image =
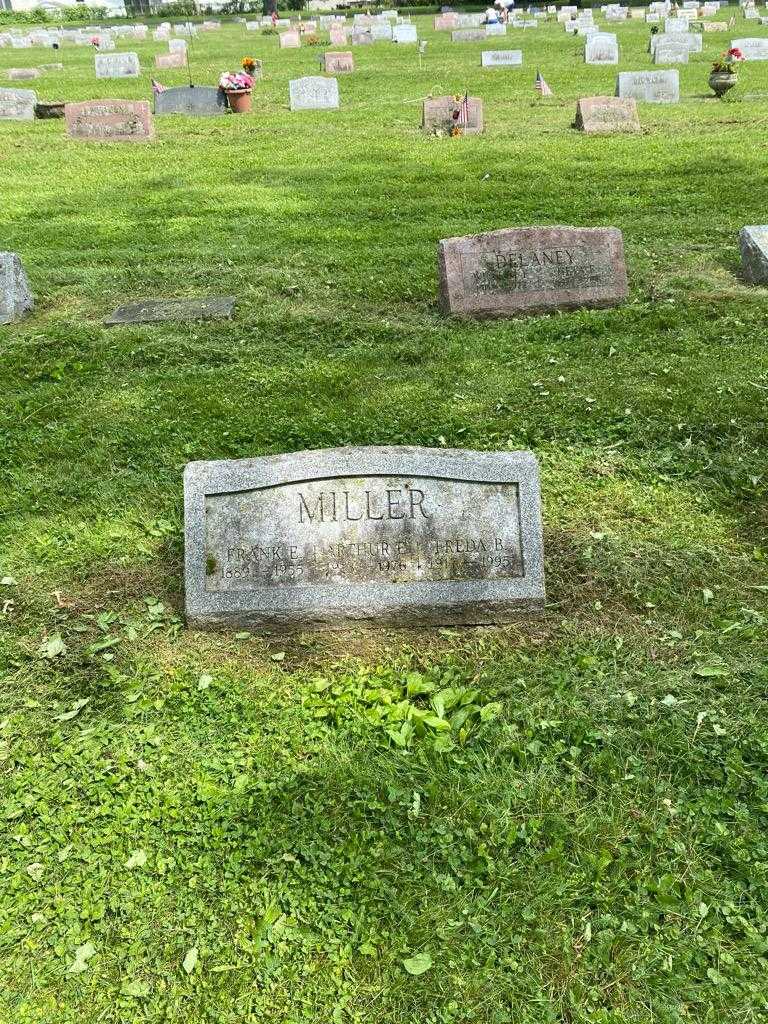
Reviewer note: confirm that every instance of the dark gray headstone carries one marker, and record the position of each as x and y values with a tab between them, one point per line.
753	243
15	296
388	535
152	311
198	100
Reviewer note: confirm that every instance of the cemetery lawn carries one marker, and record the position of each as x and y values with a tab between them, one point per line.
225	828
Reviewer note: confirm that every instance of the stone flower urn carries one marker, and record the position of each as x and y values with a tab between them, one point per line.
721	81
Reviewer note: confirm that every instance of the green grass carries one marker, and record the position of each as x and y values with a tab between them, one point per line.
592	848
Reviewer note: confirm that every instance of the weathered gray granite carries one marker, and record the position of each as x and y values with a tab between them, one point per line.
15	296
117	65
152	311
17	104
196	101
313	93
518	271
649	86
384	535
753	243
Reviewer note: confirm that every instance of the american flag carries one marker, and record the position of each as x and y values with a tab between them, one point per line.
541	86
463	118
157	88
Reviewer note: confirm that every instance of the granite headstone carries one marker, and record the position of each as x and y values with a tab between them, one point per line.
15	296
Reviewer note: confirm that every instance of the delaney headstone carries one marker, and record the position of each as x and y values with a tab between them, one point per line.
314	93
15	296
501	59
439	114
109	121
603	115
339	63
753	243
197	100
117	65
17	104
649	86
154	311
518	271
389	536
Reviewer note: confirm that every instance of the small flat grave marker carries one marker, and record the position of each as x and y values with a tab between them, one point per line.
155	311
501	58
388	535
109	121
519	271
468	35
17	104
649	86
20	74
603	115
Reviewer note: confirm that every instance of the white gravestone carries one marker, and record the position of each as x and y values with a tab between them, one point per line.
649	86
501	59
314	93
404	34
117	65
601	48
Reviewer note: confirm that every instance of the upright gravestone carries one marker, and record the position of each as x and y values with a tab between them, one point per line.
752	49
468	35
314	93
518	271
338	63
396	536
443	114
670	51
602	115
15	296
338	36
109	121
501	59
196	100
496	29
649	86
17	104
164	61
753	243
22	74
404	34
601	48
117	65
290	40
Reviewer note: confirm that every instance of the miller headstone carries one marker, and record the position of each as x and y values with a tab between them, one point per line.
517	271
384	535
15	296
649	86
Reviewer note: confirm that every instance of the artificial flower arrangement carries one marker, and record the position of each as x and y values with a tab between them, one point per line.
236	81
726	64
249	66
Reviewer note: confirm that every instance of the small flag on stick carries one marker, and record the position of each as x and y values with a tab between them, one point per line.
541	86
463	118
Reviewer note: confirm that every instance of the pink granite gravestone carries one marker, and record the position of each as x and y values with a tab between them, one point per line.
110	121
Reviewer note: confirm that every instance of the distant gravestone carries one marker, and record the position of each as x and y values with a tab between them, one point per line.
15	296
21	74
497	29
440	115
501	58
290	40
197	101
404	34
338	37
693	41
170	60
361	38
117	65
177	46
468	35
601	48
602	115
338	63
649	86
444	23
753	243
17	104
109	121
314	93
153	311
395	536
518	271
381	33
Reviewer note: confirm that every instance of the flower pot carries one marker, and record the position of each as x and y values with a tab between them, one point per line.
239	100
721	81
